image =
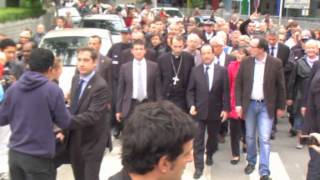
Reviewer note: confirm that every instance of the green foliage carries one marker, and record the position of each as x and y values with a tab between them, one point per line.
30	3
197	3
13	14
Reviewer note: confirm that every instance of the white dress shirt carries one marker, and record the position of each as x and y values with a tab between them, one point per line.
209	36
135	76
221	60
86	80
312	61
258	77
210	73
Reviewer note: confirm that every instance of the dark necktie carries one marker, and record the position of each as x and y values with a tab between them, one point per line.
206	75
76	97
272	51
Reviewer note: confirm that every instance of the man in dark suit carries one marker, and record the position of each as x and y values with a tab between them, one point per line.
127	56
139	82
260	91
104	69
114	54
208	31
89	98
281	51
209	101
175	69
223	60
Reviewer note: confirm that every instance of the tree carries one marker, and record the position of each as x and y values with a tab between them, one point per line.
30	3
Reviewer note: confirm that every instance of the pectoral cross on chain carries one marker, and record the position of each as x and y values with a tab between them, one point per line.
175	80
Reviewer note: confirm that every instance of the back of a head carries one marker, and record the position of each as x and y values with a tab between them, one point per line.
41	60
155	130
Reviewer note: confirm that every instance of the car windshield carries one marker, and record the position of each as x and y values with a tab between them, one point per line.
173	13
112	25
65	48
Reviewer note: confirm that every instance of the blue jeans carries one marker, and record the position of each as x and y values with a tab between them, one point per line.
258	119
298	121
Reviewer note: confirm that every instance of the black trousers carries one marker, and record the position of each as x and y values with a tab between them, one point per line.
291	115
134	104
179	101
114	123
314	165
212	127
26	167
224	128
237	131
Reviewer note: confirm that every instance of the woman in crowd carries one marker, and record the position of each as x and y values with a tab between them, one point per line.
237	124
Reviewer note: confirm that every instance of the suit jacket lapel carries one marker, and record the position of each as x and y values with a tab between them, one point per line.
251	72
130	74
148	76
266	69
215	76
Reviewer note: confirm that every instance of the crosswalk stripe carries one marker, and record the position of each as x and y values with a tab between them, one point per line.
277	169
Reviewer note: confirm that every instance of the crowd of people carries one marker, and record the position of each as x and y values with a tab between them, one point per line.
234	76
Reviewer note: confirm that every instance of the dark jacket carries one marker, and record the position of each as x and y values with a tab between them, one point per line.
125	87
121	175
298	81
31	107
209	104
312	118
273	84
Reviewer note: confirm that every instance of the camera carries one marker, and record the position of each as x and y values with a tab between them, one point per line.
308	140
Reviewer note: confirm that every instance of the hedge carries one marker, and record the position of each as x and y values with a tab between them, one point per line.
14	14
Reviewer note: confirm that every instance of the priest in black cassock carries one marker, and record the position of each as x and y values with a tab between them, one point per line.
175	70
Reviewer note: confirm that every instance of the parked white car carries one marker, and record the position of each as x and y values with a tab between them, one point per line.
74	13
64	44
112	22
174	13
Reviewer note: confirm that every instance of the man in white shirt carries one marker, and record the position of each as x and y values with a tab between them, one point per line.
260	91
139	82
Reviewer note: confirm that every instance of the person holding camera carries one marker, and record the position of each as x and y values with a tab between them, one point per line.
12	69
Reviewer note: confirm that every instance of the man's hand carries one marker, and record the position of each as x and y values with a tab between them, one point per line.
193	111
303	111
224	116
118	117
60	136
280	113
254	16
239	111
289	102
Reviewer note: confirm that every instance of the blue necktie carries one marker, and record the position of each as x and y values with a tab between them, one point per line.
76	97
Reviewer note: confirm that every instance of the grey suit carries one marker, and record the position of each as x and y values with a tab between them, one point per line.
273	87
125	86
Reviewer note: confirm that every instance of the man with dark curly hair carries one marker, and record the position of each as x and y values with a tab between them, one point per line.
157	143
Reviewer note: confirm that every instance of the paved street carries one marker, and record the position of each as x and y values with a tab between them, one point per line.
287	163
